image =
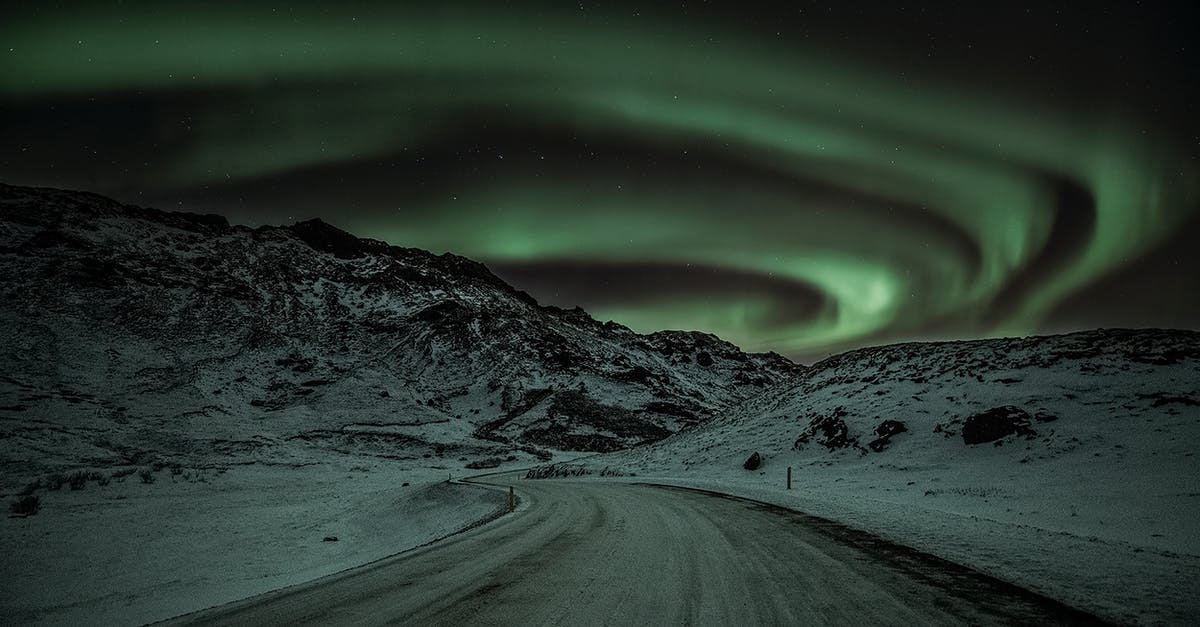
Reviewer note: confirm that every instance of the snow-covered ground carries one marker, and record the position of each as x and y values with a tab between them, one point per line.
130	552
1095	505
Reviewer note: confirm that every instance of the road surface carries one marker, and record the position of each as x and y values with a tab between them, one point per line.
590	553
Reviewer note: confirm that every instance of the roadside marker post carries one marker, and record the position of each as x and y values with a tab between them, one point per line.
512	499
789	478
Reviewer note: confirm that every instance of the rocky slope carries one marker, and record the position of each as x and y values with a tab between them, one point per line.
129	335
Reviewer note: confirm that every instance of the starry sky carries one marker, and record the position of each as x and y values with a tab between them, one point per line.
798	177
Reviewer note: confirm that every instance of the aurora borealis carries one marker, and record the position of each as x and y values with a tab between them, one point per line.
795	178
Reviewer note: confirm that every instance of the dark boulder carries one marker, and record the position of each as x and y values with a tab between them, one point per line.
884	433
753	462
997	423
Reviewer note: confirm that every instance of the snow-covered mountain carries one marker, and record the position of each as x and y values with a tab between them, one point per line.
130	334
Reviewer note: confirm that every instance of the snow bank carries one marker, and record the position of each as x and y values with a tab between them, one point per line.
131	553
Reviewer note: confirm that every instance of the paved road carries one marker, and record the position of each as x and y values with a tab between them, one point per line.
586	553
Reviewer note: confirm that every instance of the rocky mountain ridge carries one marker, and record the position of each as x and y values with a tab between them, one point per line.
132	333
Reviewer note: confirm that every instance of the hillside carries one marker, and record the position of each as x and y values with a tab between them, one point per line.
133	336
1066	463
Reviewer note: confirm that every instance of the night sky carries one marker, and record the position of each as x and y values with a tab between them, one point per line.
797	177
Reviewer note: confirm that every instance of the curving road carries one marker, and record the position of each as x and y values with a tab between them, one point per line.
587	553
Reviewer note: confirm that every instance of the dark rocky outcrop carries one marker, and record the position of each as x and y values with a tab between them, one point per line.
829	431
330	239
997	423
753	462
884	433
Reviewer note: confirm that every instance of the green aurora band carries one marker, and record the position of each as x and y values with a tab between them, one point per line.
987	167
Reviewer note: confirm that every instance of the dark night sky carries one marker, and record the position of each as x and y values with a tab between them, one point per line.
797	177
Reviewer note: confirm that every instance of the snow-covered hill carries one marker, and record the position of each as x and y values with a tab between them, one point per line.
130	335
1066	464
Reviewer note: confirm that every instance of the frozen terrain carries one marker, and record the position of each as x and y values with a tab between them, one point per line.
128	552
1090	496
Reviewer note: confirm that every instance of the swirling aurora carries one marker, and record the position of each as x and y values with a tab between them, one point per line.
661	173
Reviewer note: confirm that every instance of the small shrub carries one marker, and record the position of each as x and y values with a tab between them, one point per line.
77	480
27	505
176	470
30	487
146	475
123	472
552	471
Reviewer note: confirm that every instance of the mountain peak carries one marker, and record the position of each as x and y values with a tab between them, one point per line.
325	237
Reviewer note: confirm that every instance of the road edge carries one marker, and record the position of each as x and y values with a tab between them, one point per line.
491	517
858	539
